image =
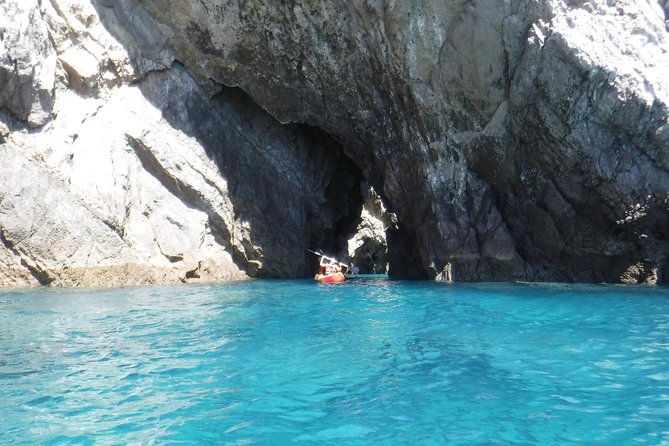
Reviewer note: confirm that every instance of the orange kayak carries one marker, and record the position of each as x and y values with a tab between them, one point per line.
330	278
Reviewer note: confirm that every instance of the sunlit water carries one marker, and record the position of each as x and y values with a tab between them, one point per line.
368	362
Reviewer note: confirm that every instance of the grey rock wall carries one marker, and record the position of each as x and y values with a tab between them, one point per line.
513	142
146	172
27	63
522	140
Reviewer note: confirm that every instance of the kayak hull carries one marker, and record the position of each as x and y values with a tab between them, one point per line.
330	278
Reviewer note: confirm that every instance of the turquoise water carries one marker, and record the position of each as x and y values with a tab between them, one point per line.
368	362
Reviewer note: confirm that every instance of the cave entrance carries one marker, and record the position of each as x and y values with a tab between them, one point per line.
360	239
351	222
367	247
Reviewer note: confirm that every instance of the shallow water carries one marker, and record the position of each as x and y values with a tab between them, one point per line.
368	362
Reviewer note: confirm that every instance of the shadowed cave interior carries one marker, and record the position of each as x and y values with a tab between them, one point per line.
292	183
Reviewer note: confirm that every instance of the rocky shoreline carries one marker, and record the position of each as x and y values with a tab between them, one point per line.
169	142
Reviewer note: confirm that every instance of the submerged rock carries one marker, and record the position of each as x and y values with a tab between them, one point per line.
209	140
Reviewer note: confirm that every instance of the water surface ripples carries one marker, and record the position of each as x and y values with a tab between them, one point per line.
367	362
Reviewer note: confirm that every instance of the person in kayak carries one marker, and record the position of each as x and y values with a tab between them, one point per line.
329	266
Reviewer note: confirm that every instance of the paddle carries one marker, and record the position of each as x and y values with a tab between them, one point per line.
320	254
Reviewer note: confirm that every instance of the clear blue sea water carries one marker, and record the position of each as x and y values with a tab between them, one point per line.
368	362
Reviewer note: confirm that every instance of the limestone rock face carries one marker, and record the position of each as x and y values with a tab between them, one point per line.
27	63
526	140
210	140
145	172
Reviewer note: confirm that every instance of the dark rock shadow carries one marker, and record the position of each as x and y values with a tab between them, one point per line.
296	186
292	184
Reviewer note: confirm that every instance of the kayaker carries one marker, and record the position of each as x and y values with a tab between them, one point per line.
329	266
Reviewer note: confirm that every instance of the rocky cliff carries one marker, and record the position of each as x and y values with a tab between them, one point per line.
149	141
